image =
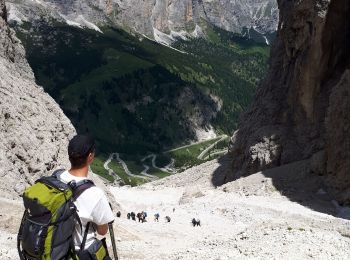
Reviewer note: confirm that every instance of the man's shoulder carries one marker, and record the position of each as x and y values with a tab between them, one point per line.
95	200
95	192
65	176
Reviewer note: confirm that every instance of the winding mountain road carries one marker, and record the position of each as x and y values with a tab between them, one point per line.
125	167
202	154
144	172
168	168
184	146
215	153
109	170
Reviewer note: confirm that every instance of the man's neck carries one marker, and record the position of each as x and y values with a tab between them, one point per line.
81	172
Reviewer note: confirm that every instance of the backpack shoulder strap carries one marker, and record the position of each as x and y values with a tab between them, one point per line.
82	246
77	187
57	173
54	180
80	187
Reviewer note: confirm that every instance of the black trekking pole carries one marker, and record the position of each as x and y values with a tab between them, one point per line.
111	232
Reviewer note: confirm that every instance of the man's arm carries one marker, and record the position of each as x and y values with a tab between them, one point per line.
102	215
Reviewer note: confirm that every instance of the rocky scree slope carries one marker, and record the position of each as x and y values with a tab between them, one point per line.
34	132
249	211
158	19
235	216
301	109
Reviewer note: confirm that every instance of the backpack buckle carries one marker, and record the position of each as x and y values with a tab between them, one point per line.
72	184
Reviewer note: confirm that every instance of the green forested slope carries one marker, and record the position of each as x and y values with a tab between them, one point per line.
136	95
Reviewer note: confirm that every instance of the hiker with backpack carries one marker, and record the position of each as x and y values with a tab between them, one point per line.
156	217
144	216
139	216
64	212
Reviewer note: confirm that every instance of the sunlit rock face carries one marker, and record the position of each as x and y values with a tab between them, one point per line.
163	20
34	132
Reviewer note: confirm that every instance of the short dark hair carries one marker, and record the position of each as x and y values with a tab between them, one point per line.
79	149
78	162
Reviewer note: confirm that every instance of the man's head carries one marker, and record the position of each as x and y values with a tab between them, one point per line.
81	151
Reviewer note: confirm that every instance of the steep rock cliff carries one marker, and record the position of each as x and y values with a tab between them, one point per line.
301	109
34	132
163	20
180	17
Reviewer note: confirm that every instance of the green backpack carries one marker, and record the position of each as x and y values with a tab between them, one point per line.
48	223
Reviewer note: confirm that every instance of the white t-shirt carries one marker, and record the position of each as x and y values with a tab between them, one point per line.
92	206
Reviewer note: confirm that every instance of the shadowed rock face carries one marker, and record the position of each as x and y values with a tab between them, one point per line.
3	10
301	109
34	132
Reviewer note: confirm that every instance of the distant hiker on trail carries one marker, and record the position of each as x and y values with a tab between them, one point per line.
168	219
133	216
139	216
56	194
156	217
196	222
119	214
128	215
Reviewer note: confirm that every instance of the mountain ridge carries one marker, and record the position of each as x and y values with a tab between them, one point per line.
164	21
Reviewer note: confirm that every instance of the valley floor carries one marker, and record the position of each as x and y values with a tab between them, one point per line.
136	170
255	217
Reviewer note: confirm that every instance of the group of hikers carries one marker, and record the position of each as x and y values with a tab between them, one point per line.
65	211
142	216
196	222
